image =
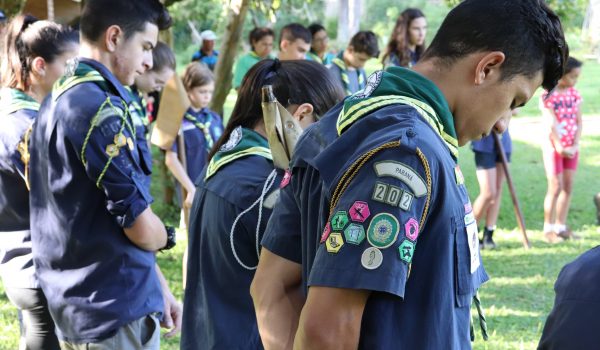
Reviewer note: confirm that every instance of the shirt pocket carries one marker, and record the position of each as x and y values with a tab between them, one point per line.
463	283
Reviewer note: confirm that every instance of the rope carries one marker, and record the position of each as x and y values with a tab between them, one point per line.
266	188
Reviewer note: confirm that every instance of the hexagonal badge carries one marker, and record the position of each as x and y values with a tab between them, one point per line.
359	212
326	233
354	234
406	251
334	242
411	229
339	221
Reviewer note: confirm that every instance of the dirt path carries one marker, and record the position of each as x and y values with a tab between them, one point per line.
531	128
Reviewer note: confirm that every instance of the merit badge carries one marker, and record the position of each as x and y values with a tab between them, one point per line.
130	144
339	220
71	67
383	230
334	242
411	229
406	251
371	258
460	179
406	201
326	233
354	234
234	140
286	179
112	150
373	82
403	173
120	140
359	211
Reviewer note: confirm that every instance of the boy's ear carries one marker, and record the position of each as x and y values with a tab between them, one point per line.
489	67
112	37
283	45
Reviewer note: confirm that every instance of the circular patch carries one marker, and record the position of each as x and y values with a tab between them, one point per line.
373	82
371	258
71	67
234	140
383	230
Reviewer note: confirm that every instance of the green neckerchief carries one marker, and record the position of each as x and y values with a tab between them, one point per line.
242	143
204	127
83	74
339	61
138	104
313	56
399	85
12	100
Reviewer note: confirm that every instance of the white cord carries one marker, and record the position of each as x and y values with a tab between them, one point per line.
266	187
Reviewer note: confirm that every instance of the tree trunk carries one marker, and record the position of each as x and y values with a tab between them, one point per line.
236	15
343	35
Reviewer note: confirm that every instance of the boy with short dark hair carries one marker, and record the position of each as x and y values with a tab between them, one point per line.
294	42
348	66
94	234
397	258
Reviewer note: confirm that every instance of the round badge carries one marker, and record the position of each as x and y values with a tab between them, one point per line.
373	82
371	258
383	230
71	67
234	140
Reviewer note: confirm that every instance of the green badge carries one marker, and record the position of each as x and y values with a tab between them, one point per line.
354	234
339	220
383	230
406	251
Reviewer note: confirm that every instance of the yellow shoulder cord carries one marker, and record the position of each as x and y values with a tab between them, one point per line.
23	148
94	124
349	175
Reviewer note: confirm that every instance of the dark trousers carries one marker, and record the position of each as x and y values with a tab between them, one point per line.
38	325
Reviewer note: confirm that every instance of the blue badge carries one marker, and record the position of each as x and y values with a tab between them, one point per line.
354	234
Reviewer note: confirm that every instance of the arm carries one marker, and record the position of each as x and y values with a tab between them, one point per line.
147	231
172	162
331	319
278	299
173	309
579	129
551	123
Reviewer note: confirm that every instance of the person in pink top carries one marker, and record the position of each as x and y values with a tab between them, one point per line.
561	106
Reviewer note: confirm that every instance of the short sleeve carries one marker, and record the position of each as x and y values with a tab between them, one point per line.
283	233
373	229
107	153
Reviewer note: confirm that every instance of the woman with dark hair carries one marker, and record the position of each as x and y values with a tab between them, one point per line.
34	57
261	43
407	42
226	224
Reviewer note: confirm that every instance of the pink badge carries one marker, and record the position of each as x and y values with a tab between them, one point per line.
411	229
286	179
326	232
359	212
468	208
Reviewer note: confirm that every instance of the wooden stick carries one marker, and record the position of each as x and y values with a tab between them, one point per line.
513	194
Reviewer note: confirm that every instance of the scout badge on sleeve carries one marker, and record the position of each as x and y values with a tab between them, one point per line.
173	105
283	130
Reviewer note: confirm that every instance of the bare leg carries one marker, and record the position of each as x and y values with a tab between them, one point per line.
494	208
487	192
564	198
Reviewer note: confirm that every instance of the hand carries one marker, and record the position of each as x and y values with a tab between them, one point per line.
569	152
189	199
172	316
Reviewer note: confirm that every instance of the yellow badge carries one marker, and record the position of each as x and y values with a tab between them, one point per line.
334	242
120	140
130	143
112	150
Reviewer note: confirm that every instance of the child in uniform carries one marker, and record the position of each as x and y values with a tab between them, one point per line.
347	67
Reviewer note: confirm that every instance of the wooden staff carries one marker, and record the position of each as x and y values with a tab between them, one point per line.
513	194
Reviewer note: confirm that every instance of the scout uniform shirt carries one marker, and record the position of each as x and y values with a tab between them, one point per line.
218	311
375	201
201	129
87	185
137	110
352	80
17	113
326	60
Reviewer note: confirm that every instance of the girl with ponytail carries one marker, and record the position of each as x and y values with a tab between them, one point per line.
34	57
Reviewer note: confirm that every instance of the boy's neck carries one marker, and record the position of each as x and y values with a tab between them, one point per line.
91	51
346	59
196	109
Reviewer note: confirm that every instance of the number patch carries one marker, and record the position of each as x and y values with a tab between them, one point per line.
392	195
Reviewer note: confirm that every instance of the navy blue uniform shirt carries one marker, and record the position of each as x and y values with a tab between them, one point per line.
383	207
17	113
87	185
201	129
488	145
218	311
138	116
573	322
